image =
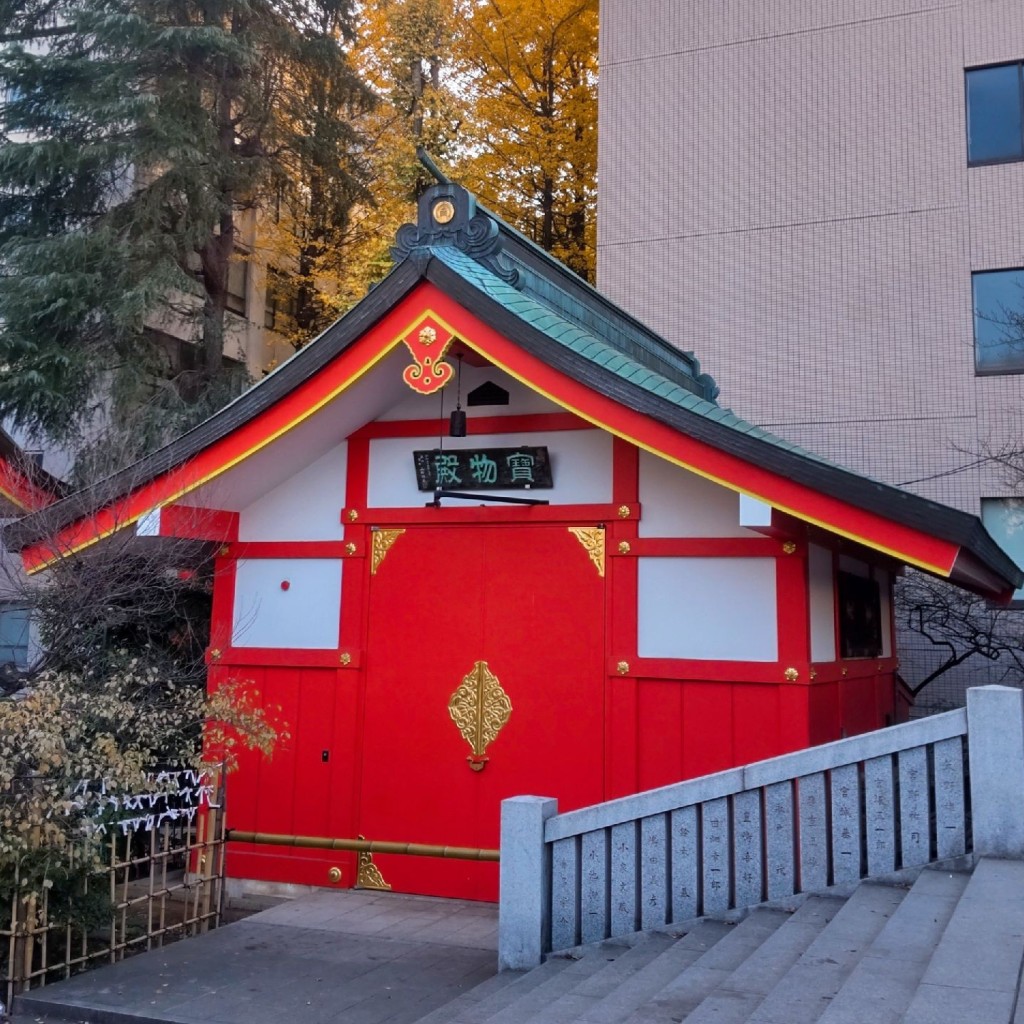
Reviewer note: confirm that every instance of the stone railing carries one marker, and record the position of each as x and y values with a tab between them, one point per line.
830	815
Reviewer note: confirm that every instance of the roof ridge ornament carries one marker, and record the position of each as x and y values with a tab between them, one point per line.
448	215
705	380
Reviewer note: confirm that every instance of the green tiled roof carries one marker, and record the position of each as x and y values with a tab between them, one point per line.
557	327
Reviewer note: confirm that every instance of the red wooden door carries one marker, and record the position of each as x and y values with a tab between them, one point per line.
527	602
292	792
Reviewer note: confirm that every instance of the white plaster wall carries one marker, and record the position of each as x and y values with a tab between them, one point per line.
305	507
677	503
722	609
581	466
821	597
305	615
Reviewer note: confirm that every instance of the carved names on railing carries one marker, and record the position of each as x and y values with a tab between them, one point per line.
828	815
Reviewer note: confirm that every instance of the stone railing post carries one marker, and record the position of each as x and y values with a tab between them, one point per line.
995	738
524	907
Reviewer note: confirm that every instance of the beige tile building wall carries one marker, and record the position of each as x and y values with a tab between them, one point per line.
784	190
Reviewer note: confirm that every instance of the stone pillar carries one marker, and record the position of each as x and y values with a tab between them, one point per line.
995	737
524	910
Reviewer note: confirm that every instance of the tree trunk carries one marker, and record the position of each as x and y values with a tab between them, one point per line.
219	248
215	257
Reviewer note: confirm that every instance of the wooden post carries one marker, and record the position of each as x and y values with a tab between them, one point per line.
212	820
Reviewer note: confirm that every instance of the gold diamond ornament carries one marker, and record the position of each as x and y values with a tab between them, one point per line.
480	709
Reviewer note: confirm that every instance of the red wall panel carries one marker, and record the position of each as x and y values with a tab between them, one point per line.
660	715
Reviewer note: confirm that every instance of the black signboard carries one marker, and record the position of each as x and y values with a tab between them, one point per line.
481	469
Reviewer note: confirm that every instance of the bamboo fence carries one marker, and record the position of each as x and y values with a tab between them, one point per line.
164	882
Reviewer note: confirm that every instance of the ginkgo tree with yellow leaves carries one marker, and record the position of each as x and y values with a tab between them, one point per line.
503	96
405	52
531	137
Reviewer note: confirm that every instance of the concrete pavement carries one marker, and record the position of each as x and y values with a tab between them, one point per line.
342	957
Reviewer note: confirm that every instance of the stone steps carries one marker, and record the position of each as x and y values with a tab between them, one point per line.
738	995
948	950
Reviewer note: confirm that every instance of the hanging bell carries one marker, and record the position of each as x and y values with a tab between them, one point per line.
457	423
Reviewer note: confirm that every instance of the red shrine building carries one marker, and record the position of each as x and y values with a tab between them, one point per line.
488	535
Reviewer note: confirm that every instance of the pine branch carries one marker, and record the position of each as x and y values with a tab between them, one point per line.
30	34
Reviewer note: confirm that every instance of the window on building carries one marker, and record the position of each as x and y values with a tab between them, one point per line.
238	284
14	635
999	321
181	363
1004	520
995	114
279	306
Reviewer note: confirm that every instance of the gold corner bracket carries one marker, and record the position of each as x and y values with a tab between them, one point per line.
381	543
368	875
592	539
480	709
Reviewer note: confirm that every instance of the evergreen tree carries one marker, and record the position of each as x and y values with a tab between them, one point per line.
137	133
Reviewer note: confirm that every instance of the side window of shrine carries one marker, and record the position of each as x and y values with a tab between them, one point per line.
860	616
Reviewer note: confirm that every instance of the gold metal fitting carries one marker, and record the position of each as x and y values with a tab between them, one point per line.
791	675
444	211
814	674
215	654
789	547
622	668
224	551
353	515
334	875
625	511
350	548
345	658
624	548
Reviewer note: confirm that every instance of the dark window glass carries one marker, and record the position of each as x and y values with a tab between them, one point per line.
860	616
14	635
999	321
995	104
1004	519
